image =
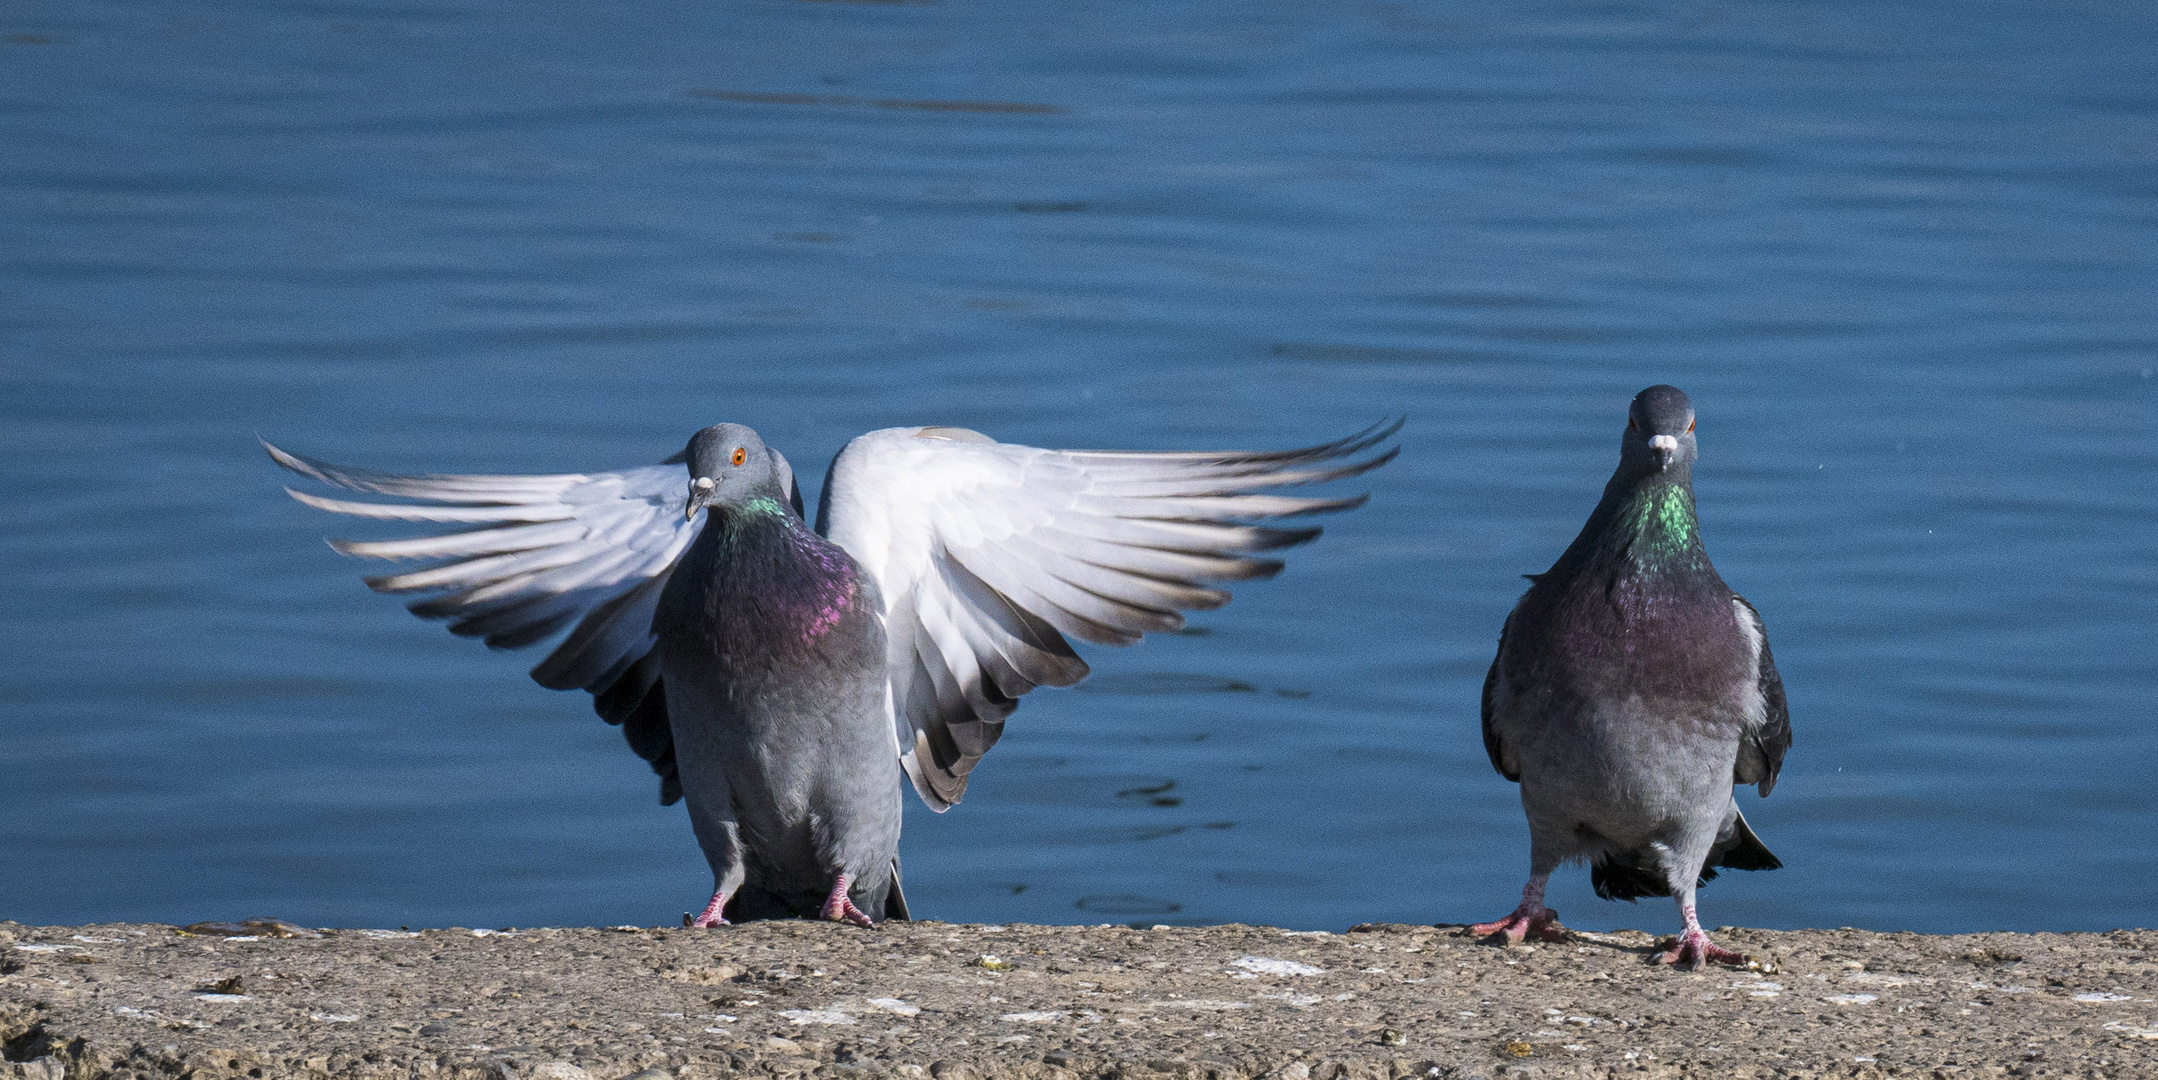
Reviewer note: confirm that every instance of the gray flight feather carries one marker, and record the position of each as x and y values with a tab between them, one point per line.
781	679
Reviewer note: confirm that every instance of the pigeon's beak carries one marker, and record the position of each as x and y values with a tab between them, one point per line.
700	493
1665	447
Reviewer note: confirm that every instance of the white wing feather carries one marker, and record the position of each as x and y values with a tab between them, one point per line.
548	552
988	553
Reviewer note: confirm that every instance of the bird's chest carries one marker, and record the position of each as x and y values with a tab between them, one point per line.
1642	638
765	602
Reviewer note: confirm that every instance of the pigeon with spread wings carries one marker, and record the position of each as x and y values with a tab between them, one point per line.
781	679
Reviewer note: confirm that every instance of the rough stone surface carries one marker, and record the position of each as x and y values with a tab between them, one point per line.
948	1002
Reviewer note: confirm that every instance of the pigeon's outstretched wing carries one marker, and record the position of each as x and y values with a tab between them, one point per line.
987	554
545	553
1760	756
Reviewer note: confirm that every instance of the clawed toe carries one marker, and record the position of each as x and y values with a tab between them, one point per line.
850	914
839	907
1540	924
843	910
711	916
1695	950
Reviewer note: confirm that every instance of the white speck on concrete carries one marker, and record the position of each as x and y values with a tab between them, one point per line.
818	1016
1265	965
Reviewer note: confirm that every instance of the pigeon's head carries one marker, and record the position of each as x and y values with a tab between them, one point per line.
1659	429
728	466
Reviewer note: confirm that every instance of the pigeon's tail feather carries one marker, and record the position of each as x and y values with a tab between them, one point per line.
1621	875
895	901
1625	875
1743	851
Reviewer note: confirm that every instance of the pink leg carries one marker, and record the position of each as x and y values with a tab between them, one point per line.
840	907
1693	948
1531	920
712	916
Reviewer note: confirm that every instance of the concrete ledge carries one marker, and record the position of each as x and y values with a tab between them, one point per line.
1059	1003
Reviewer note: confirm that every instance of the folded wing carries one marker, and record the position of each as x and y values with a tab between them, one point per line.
587	552
1760	756
1498	695
988	554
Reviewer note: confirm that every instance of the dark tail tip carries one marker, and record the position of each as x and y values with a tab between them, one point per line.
1622	877
895	901
1745	851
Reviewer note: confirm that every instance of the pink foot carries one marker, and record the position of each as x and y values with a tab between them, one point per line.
712	916
1528	921
1694	949
840	907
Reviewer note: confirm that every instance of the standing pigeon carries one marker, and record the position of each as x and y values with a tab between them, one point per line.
1631	690
779	678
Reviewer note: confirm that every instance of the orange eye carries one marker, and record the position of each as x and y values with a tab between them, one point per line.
1689	427
740	456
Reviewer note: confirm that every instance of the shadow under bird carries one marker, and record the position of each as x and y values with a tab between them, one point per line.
781	679
1632	689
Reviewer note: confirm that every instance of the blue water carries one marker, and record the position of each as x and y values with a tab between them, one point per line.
1904	256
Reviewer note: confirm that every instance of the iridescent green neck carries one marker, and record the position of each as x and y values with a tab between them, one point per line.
761	508
1657	527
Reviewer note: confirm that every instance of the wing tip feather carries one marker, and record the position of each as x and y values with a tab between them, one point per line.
353	549
387	583
1328	506
288	460
1276	539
